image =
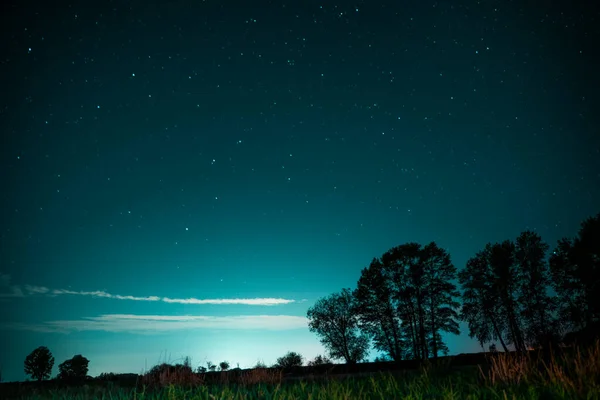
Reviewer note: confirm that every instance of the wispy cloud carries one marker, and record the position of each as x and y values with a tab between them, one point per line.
268	301
36	289
252	302
8	290
156	324
98	293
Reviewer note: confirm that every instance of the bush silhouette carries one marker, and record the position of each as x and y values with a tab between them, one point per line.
167	374
319	360
291	359
39	363
224	365
74	369
201	369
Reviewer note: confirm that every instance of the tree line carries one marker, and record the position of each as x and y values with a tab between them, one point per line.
512	292
38	364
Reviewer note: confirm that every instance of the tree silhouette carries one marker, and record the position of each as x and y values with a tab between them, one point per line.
319	360
504	278
39	363
75	368
260	364
332	319
406	298
533	278
201	369
440	295
575	272
211	366
291	359
224	365
377	310
479	306
491	286
403	265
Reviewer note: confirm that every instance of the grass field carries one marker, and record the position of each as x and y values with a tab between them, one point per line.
570	375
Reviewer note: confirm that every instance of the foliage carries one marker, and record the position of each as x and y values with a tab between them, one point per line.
319	360
75	368
107	376
490	305
167	374
405	299
479	308
575	272
291	359
223	365
332	318
505	289
377	309
201	369
533	281
260	364
39	363
504	281
211	367
382	358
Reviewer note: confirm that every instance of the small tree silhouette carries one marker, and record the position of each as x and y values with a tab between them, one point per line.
201	369
319	360
211	367
75	368
39	363
291	359
224	365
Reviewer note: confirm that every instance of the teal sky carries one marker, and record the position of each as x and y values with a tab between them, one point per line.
187	178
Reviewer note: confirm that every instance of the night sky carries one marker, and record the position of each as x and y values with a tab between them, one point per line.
187	178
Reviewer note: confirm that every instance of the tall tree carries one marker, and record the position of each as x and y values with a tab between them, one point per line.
441	295
575	271
401	267
533	279
405	299
411	287
39	363
377	310
333	319
479	306
502	262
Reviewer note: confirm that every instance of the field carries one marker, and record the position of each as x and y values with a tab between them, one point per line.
567	374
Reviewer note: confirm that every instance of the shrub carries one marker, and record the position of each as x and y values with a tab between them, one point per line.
291	359
319	360
166	374
74	369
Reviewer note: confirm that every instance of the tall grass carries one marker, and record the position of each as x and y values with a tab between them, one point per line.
576	371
